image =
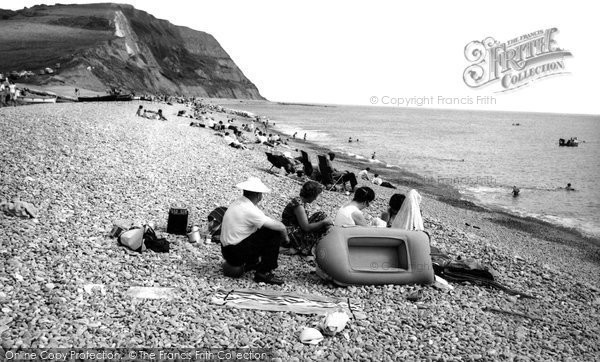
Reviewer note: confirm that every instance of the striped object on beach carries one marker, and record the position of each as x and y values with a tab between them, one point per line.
283	302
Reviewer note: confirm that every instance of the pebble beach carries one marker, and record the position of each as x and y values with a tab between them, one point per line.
85	166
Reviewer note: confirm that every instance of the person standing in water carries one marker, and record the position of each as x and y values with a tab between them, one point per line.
515	191
373	156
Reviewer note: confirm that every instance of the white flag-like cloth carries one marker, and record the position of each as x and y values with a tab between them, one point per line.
409	217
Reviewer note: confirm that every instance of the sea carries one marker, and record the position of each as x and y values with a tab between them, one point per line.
481	154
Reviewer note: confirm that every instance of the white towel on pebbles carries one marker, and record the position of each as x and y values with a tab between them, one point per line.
409	217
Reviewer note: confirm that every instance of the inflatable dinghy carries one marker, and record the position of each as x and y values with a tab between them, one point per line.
370	256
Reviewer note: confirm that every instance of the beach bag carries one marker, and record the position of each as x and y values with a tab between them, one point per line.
178	221
133	239
154	243
460	269
215	219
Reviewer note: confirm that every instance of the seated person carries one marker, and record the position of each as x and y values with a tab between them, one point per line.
304	232
409	217
364	174
351	214
231	141
343	177
210	123
242	137
249	238
377	180
154	115
261	138
394	206
139	111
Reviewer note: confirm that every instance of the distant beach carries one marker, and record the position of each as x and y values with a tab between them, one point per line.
473	156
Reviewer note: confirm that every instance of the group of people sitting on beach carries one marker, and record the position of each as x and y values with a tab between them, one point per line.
253	241
141	112
377	180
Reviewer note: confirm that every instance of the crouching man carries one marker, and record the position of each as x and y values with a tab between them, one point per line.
249	238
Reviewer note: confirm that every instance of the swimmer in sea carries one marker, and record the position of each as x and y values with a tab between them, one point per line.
569	188
350	140
373	156
515	191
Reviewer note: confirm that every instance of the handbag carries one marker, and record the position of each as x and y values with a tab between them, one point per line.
154	243
133	239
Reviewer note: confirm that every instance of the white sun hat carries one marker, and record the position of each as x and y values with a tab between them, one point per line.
253	184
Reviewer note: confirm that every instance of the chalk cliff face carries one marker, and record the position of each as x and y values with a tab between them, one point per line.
102	46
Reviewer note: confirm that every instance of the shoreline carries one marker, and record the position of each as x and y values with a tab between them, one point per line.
443	192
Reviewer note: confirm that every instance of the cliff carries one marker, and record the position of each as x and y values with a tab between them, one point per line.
101	46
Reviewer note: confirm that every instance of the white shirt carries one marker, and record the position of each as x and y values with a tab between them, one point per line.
344	215
364	174
12	88
228	140
261	139
241	220
377	180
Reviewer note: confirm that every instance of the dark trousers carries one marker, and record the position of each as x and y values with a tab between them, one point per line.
345	177
263	245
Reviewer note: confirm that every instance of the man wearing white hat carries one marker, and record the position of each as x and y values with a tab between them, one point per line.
249	238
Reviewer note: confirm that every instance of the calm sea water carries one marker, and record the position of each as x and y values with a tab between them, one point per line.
482	154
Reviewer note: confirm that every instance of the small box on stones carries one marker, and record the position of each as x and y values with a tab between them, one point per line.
178	221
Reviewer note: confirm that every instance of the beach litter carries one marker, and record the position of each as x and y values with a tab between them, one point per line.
310	336
90	288
18	208
151	293
415	296
441	283
334	322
